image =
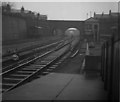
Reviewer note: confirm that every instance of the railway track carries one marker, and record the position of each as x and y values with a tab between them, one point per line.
24	55
40	65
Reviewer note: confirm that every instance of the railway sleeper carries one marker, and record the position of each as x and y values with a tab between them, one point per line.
10	81
7	85
8	78
32	67
45	61
58	63
24	72
17	76
38	65
27	69
44	73
52	67
49	69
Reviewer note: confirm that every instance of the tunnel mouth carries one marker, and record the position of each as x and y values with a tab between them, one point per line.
72	32
72	29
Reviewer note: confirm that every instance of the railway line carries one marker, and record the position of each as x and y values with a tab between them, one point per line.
35	66
6	60
23	56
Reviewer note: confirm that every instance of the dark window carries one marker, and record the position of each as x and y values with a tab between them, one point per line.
95	26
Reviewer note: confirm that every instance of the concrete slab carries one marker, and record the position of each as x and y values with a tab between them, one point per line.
56	86
81	88
45	88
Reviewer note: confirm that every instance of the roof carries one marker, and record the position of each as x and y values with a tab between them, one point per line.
100	16
91	20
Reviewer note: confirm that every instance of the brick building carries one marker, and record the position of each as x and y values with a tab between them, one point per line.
21	24
107	22
101	25
92	29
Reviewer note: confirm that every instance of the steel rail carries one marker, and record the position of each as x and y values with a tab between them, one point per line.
37	70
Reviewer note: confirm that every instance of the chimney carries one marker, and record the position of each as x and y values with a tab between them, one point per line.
94	14
22	9
102	13
109	12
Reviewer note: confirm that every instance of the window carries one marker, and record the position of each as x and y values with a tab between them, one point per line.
89	26
95	26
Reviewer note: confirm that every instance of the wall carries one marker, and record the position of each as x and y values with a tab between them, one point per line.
13	28
106	24
32	30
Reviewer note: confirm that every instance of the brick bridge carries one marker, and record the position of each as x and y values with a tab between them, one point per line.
60	25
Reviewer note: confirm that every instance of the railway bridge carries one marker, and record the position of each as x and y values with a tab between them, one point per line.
59	26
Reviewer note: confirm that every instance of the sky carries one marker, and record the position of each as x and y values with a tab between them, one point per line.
68	10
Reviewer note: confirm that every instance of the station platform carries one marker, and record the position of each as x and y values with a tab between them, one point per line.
59	86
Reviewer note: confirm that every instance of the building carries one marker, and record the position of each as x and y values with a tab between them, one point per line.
92	29
107	23
101	25
20	24
43	17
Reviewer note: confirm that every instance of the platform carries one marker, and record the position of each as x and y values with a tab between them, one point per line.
56	86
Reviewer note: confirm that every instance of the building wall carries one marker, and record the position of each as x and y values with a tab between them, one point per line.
105	27
13	28
107	22
45	30
33	24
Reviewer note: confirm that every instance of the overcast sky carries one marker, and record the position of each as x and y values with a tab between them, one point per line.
68	10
